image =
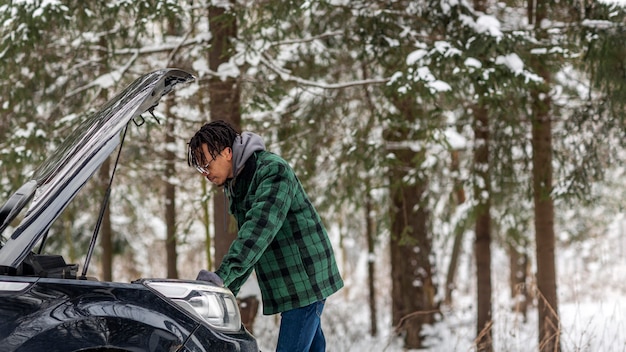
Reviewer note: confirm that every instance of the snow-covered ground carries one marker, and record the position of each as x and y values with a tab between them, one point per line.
592	306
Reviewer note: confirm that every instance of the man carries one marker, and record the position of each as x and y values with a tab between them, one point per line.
280	234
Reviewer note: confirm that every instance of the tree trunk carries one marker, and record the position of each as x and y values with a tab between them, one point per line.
544	224
207	223
549	324
224	96
482	194
518	275
106	232
206	196
459	195
371	264
413	292
369	208
170	195
224	104
412	288
452	267
482	250
170	172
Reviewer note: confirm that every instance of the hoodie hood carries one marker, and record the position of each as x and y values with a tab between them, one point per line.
244	146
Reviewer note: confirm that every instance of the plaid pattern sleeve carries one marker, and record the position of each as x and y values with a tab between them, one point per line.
281	235
258	224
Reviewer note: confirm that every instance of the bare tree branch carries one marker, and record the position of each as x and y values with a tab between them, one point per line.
287	76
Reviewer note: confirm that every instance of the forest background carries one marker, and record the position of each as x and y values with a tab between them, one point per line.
465	155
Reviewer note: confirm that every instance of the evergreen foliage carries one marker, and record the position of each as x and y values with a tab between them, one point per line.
336	87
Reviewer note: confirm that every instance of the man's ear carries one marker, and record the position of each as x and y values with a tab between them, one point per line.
229	153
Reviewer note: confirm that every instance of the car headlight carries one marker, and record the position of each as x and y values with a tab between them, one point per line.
215	305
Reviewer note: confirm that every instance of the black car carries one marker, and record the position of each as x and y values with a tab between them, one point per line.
49	305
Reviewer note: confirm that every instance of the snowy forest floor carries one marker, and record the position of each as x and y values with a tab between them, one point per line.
592	306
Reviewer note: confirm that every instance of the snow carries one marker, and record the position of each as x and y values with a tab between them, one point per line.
108	80
592	306
591	274
227	69
44	4
489	25
30	130
415	56
472	63
614	2
512	61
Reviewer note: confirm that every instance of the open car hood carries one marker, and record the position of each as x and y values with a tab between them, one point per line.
58	179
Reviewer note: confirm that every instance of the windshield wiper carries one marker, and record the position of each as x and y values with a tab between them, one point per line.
13	206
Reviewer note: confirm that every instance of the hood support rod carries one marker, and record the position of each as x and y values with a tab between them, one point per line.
105	201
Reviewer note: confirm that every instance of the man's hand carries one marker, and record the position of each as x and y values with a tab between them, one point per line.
209	276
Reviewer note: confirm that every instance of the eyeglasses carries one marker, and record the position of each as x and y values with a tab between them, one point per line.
205	169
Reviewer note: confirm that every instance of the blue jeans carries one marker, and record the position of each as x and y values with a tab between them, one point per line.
301	329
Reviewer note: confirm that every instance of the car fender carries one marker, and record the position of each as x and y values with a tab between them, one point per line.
101	332
50	316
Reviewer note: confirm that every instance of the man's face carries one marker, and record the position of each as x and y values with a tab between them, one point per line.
218	169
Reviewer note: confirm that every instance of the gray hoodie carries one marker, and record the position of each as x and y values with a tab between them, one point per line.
244	146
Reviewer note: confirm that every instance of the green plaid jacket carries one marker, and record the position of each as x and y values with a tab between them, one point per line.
280	235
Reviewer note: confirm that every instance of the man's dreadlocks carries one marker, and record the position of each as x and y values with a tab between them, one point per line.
217	135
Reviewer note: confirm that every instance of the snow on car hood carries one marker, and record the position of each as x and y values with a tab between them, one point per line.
58	179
